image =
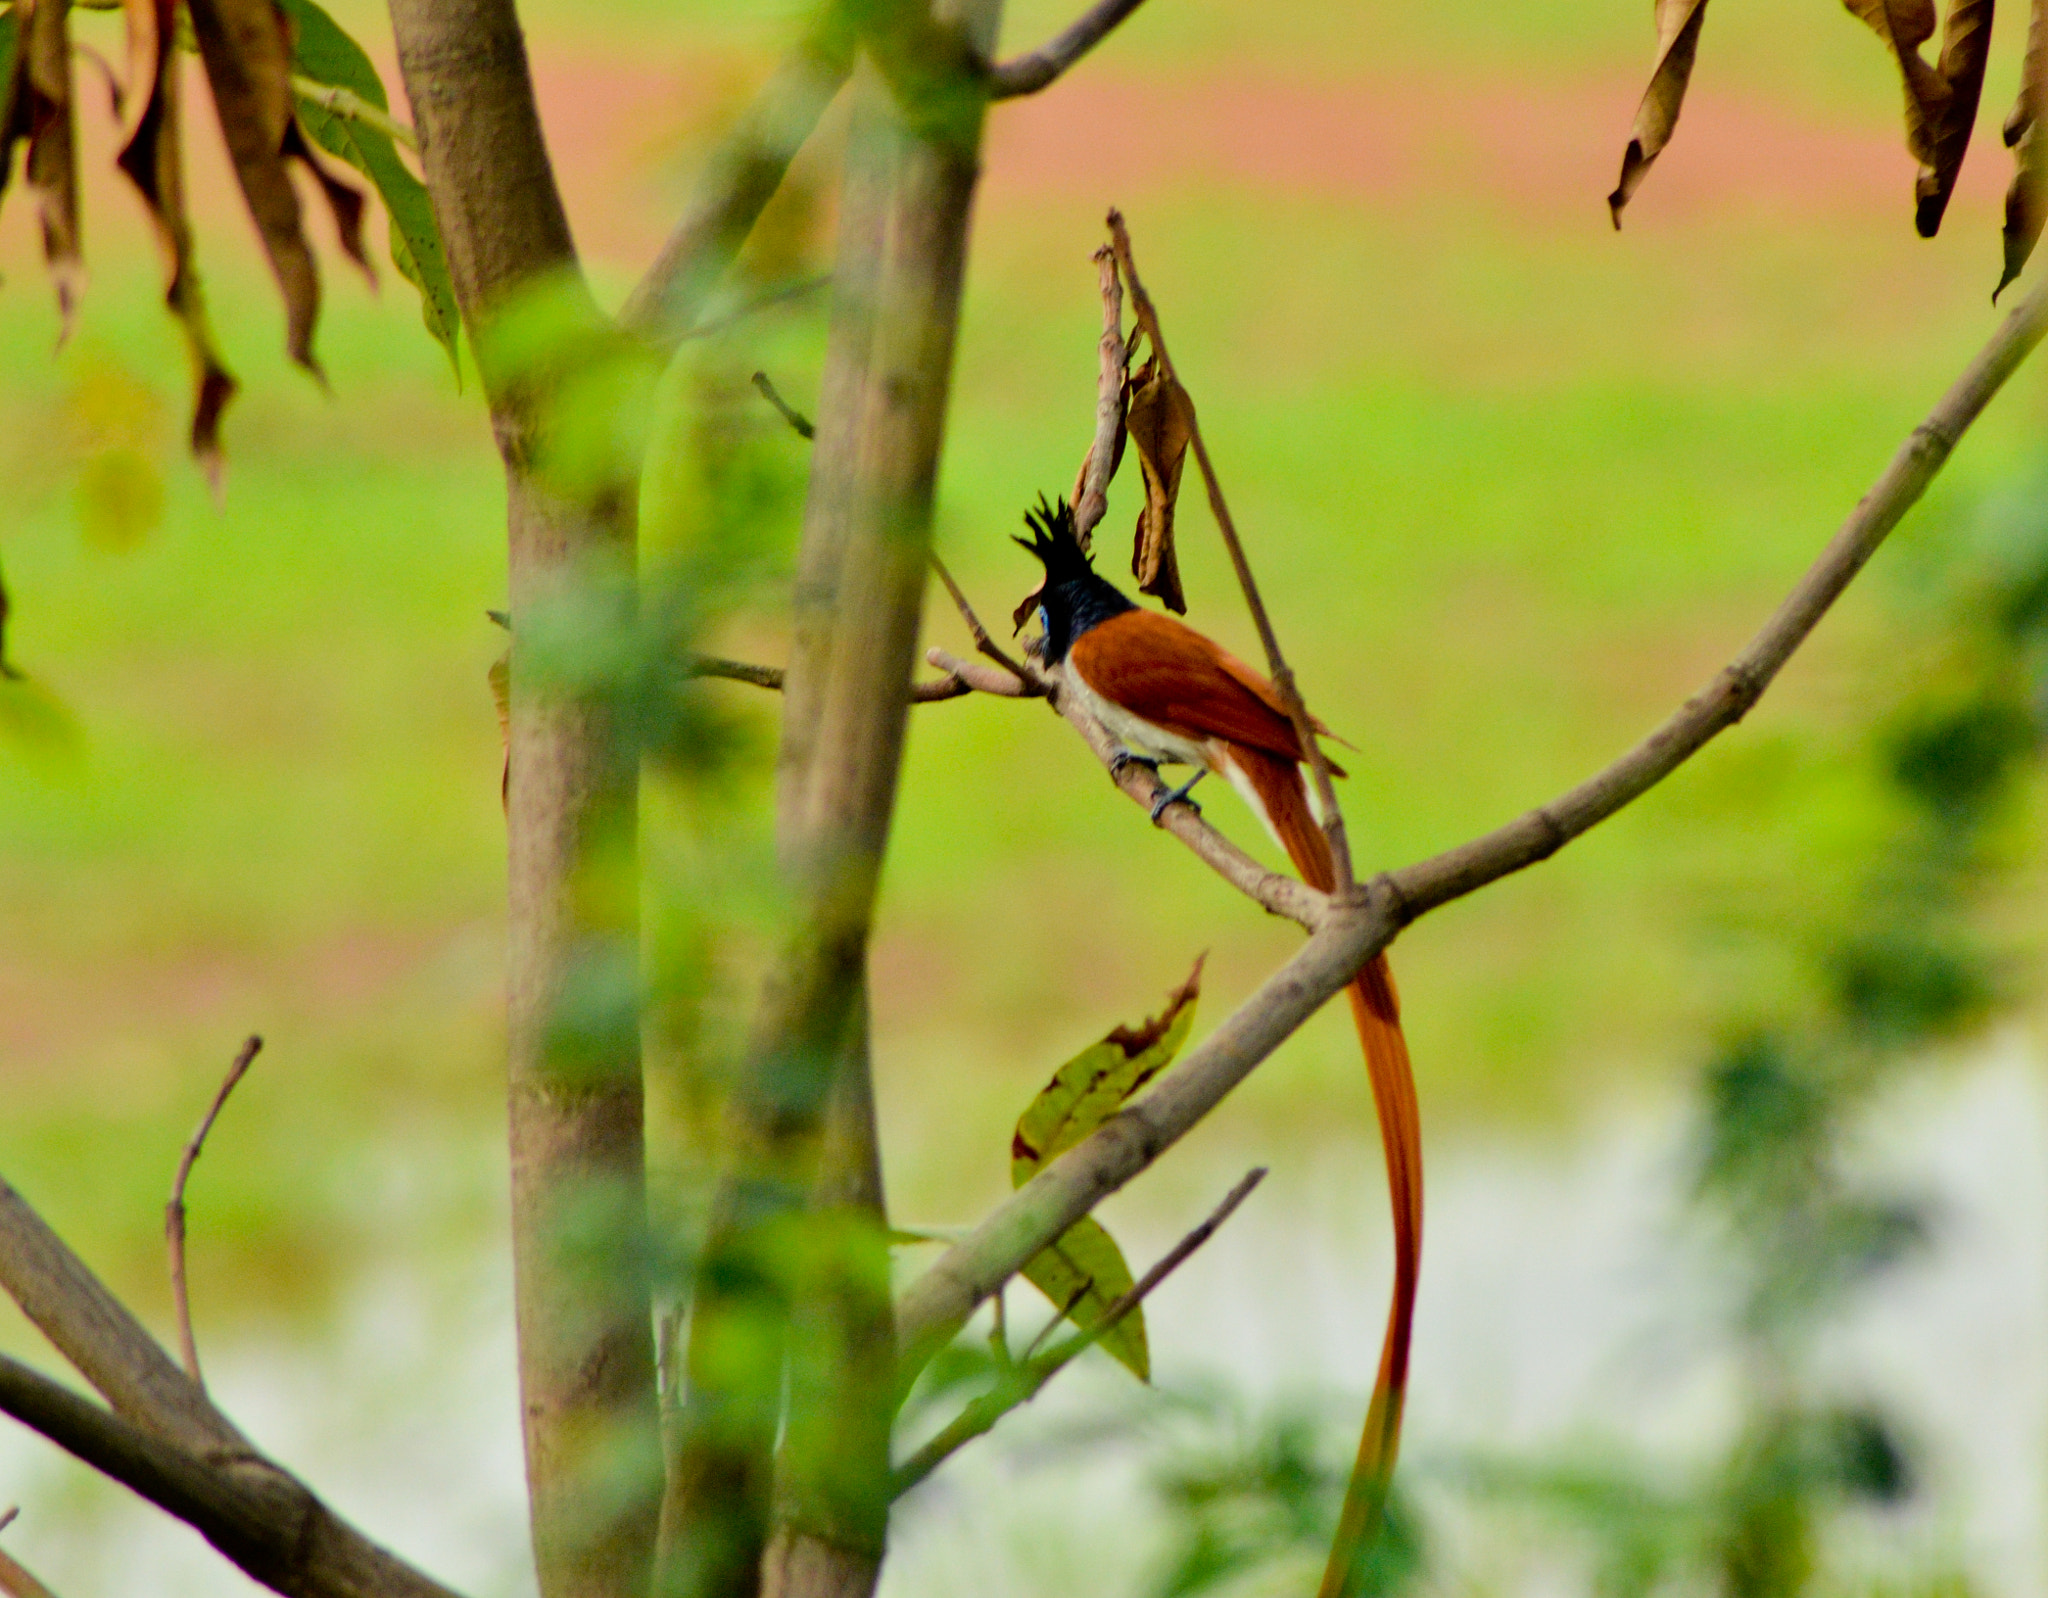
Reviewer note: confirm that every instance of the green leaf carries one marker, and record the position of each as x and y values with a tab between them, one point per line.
1093	1085
1083	1274
324	53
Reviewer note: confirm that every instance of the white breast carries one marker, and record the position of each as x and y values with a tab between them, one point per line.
1135	732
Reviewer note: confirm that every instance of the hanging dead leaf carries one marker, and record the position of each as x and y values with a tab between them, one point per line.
2026	202
1678	39
1941	101
1161	423
247	49
152	159
1965	48
38	108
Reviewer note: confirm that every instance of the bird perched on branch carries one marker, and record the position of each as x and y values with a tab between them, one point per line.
1174	697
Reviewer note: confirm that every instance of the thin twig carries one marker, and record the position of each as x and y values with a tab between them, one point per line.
174	1212
1283	675
799	423
1021	1384
1091	488
938	1303
345	103
1027	74
983	677
771	677
982	641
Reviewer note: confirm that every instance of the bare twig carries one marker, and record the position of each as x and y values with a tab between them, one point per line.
799	423
12	1514
771	677
1091	488
174	1212
982	641
767	300
1282	673
939	1302
982	677
738	181
1021	1383
340	102
1027	74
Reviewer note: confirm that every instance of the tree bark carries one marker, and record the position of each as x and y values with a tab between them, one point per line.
586	1358
911	170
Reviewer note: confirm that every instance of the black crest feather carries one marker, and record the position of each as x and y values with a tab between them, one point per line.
1054	542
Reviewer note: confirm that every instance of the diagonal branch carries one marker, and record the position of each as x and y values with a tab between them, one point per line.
738	182
262	1519
153	1398
1282	673
771	677
938	1303
1022	1382
1027	74
1091	490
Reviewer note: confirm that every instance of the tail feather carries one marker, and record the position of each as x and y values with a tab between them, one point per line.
1376	1008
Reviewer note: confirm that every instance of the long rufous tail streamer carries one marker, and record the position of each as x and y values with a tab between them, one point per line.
1377	1009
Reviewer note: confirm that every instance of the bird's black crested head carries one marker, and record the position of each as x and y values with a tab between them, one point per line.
1072	598
1055	543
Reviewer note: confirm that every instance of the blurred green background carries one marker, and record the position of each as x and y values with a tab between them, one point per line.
1514	485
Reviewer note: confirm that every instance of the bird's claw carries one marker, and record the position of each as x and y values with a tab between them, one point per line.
1123	760
1181	794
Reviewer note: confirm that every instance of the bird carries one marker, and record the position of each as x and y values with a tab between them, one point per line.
1172	696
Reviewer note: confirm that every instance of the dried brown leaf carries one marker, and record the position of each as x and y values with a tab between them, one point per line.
1678	39
1965	48
2026	202
1160	423
1941	101
39	110
246	47
151	157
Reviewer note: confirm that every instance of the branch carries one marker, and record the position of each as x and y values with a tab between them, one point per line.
174	1212
155	1400
262	1519
982	641
770	677
738	182
1091	490
798	422
1027	74
16	1581
1022	1383
1283	675
1360	926
340	102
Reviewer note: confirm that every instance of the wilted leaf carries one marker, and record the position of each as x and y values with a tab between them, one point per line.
247	51
2026	202
1093	1085
36	92
1941	102
1678	39
152	158
1084	1273
1160	423
324	53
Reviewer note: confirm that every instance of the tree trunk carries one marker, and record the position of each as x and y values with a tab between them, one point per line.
578	1211
911	168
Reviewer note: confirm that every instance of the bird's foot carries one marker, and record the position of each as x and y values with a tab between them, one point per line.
1123	760
1179	795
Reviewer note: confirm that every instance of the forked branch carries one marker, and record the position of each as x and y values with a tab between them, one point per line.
1021	1382
939	1302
